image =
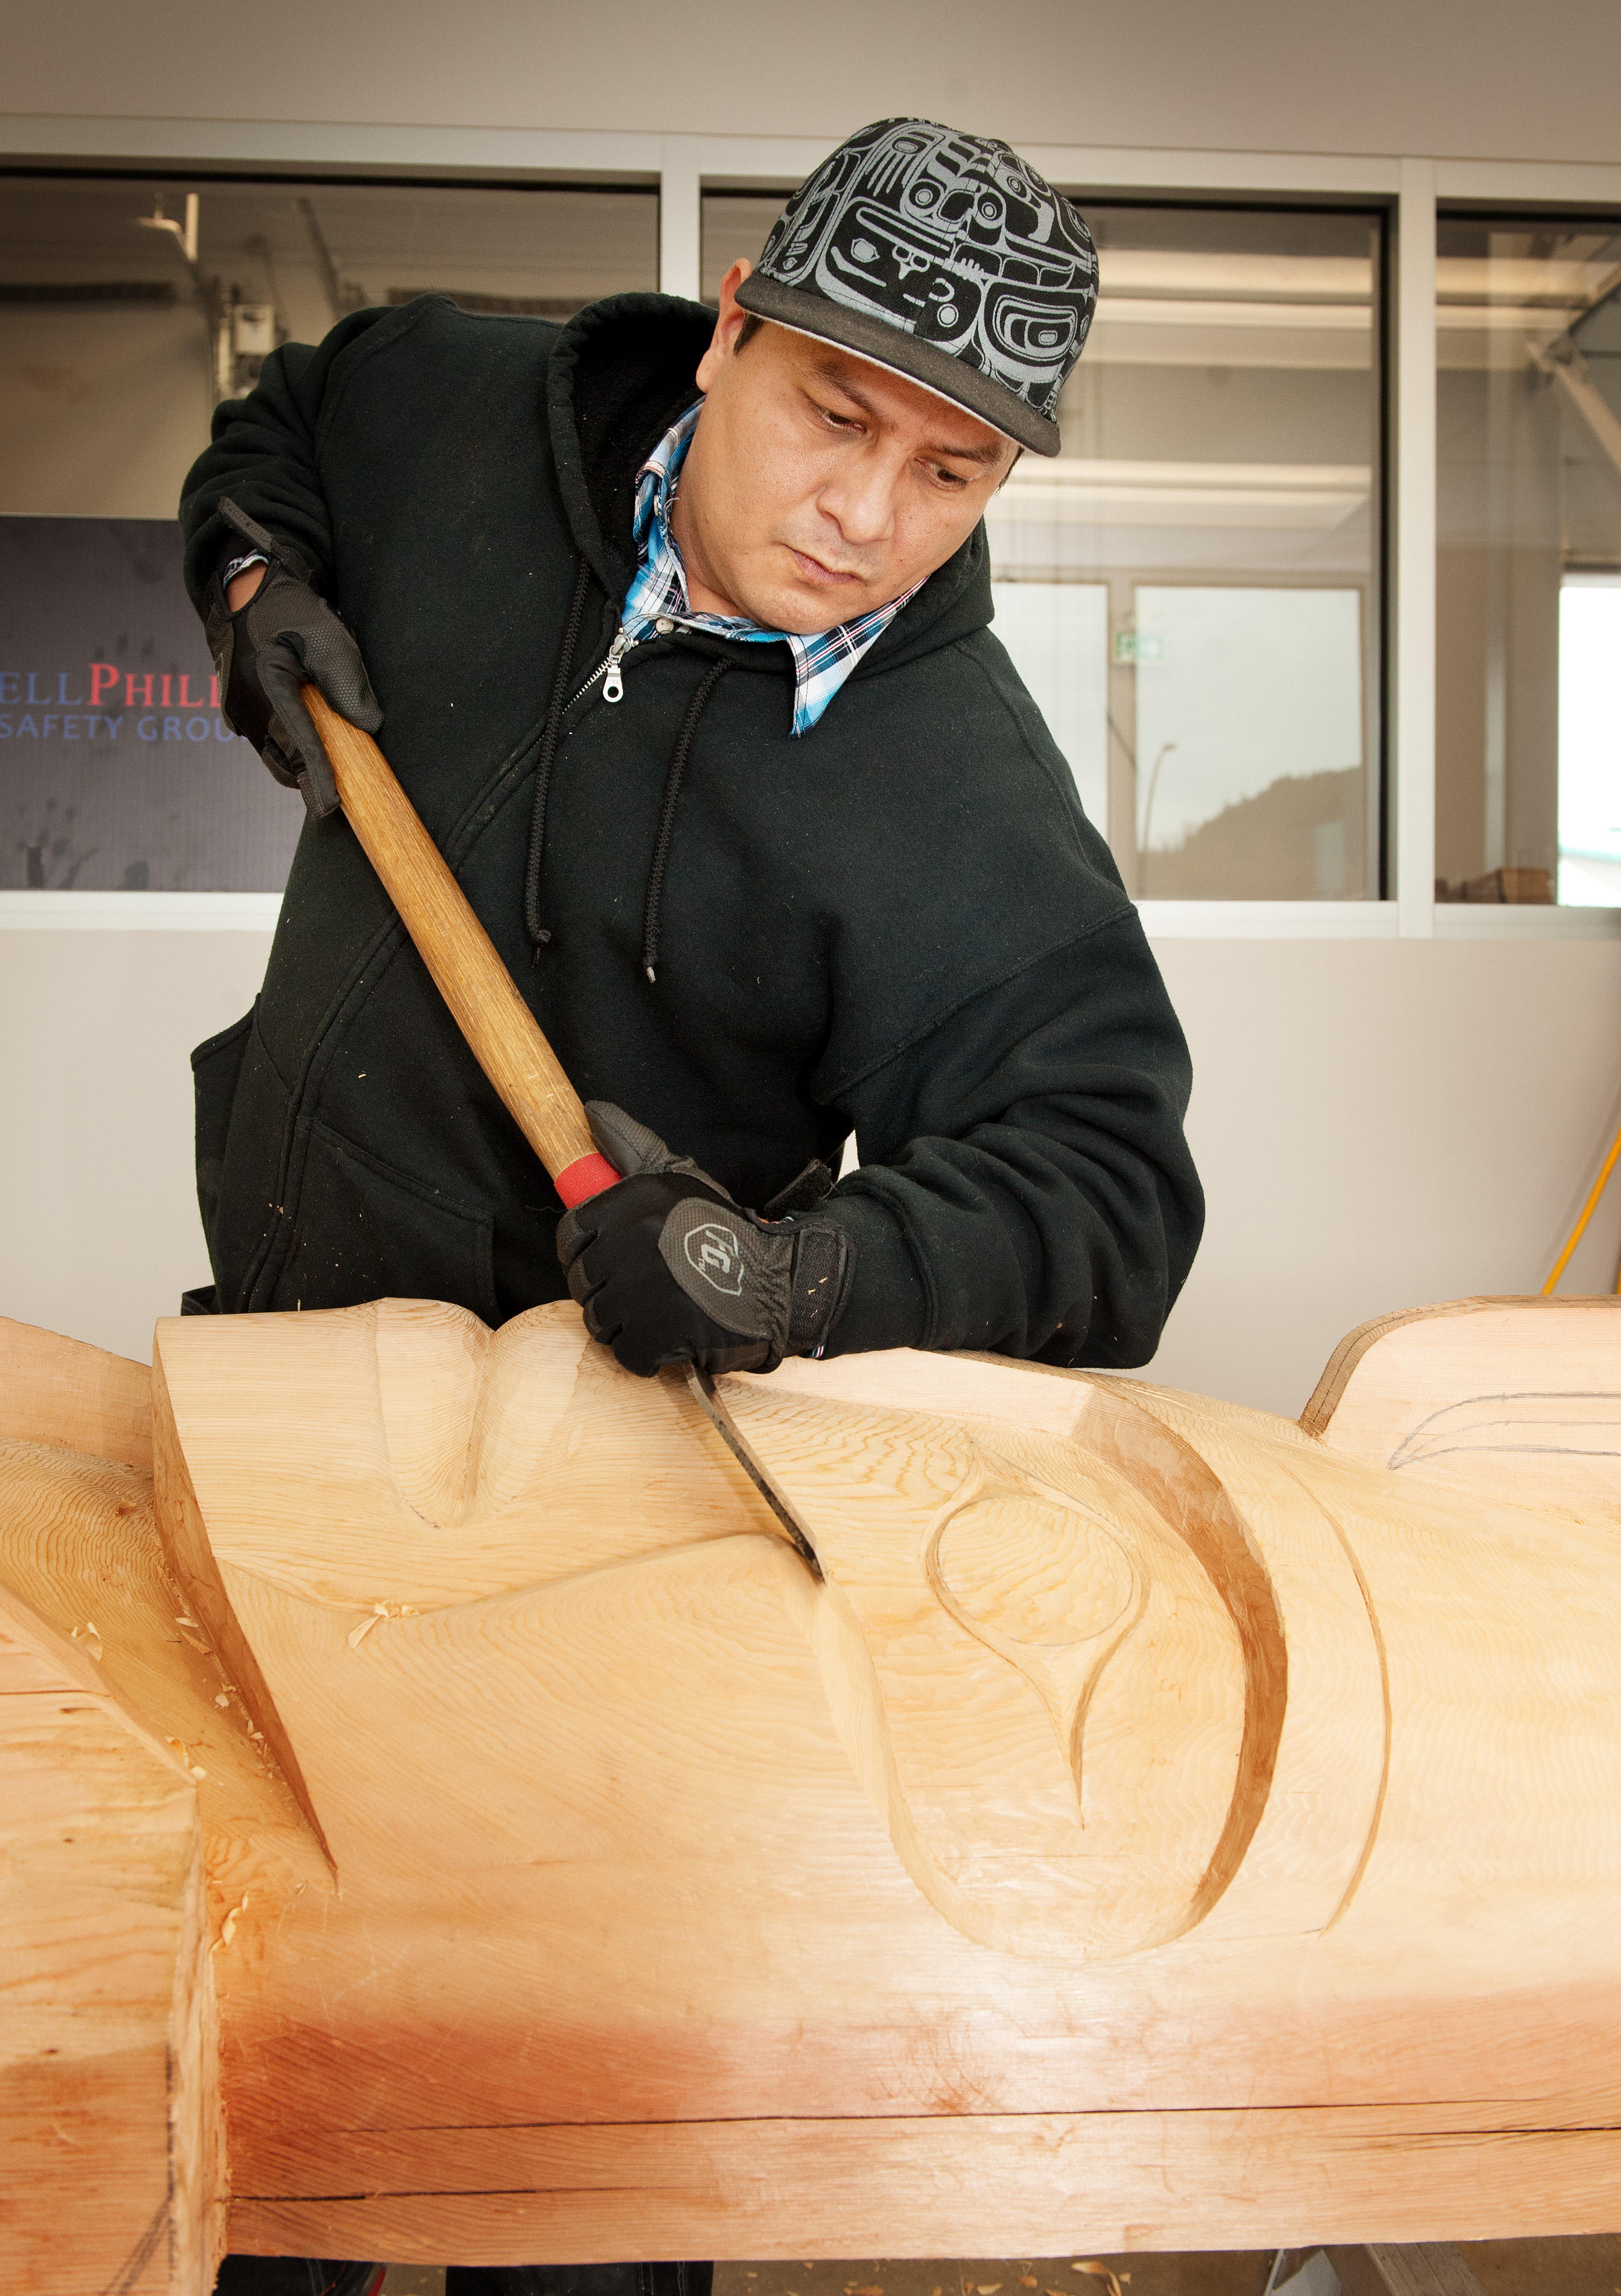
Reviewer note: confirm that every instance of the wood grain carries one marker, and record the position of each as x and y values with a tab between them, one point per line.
78	1397
1159	1827
110	2129
989	2184
1513	1398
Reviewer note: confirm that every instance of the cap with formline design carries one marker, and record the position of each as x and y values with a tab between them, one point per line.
940	255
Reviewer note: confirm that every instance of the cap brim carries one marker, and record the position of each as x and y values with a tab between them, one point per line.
892	347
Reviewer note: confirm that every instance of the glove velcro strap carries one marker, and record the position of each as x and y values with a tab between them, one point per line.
824	1263
280	554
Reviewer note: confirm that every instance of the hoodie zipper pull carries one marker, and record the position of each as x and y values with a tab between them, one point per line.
613	684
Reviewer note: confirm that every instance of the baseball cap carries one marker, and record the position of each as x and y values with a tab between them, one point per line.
942	257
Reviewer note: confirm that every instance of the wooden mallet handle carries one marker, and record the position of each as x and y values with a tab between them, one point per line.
505	1038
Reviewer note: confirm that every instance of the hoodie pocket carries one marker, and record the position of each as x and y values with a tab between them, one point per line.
362	1229
216	1068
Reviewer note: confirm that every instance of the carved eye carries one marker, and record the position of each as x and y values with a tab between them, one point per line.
1030	1570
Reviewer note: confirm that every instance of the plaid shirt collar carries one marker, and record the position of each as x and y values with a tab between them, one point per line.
659	592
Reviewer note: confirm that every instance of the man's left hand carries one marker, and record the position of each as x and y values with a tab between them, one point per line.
670	1269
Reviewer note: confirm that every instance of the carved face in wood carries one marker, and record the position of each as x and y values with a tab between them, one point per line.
442	1761
1052	1650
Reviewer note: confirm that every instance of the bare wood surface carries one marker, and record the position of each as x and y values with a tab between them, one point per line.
81	1398
1513	1398
1157	1827
994	2185
506	1039
110	2134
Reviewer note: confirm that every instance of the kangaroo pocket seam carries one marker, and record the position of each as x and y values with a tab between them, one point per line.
267	1271
476	1220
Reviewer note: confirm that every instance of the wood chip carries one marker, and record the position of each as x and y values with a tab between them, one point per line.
381	1611
1103	2272
228	1926
193	1770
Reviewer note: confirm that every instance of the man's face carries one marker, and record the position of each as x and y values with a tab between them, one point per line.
818	485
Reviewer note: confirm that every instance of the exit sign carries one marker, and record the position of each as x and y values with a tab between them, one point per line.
1138	645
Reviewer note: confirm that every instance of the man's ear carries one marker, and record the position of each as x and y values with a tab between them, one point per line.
728	326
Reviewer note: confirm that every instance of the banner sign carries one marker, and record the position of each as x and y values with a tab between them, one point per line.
116	770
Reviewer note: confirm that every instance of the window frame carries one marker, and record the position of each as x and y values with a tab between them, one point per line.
683	167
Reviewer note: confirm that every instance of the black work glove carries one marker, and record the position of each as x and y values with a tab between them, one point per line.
670	1269
284	637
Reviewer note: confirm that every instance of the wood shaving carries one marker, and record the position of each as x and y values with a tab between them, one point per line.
193	1770
379	1610
1103	2272
228	1926
221	1698
90	1634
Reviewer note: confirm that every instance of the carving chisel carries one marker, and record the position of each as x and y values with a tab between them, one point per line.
504	1036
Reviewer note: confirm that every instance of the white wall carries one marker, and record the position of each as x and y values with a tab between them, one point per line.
1377	1123
99	1229
1452	78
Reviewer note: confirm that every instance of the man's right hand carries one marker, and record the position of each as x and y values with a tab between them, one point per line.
268	644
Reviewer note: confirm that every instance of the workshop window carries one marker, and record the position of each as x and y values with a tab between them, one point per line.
128	307
1191	590
1528	559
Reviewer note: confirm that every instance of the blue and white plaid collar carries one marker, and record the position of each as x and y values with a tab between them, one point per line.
658	592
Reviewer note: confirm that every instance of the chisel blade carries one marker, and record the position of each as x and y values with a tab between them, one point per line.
731	1435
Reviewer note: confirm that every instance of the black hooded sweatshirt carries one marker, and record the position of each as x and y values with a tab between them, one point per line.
901	923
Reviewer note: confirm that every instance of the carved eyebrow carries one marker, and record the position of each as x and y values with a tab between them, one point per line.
833	370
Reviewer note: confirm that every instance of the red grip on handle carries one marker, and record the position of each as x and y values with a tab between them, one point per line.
585	1177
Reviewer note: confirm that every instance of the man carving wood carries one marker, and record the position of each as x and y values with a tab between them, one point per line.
678	629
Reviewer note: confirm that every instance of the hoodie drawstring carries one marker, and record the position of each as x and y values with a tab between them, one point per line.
666	817
539	934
